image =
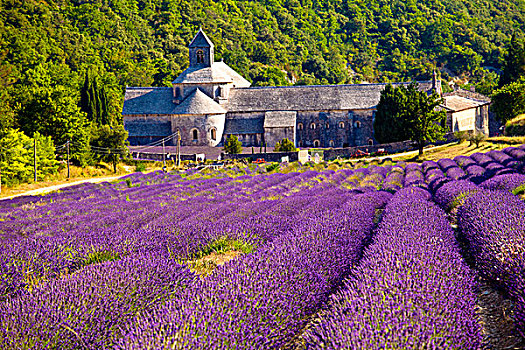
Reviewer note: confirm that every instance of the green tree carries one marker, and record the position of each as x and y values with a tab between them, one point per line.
509	100
45	156
94	100
109	144
513	62
54	112
233	145
414	116
389	122
285	146
16	157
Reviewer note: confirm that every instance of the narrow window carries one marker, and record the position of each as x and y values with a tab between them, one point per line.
214	134
200	56
195	134
370	142
341	125
300	126
327	126
357	124
312	126
317	143
332	143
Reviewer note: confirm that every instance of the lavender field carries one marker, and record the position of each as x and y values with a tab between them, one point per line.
383	257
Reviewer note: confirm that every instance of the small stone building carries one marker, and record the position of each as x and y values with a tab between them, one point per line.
209	101
466	111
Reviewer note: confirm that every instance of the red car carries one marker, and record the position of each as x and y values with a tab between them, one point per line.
359	154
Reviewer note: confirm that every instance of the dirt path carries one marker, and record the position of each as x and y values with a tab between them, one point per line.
45	190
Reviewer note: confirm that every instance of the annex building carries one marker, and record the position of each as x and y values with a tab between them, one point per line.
210	101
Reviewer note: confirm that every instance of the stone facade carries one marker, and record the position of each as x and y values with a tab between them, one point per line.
209	101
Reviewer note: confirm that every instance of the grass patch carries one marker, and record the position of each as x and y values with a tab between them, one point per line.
224	245
519	191
100	256
217	253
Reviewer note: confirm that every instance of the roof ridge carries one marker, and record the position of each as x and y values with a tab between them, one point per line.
330	85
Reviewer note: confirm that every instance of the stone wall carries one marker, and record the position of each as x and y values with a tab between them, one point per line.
268	157
274	135
159	156
203	124
144	129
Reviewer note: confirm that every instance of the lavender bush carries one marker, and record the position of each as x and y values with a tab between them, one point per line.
412	269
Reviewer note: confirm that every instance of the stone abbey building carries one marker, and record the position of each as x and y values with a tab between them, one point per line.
210	101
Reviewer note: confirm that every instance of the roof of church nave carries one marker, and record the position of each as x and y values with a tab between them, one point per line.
139	100
310	97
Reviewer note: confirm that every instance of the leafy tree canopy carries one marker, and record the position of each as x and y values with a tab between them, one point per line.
233	145
285	146
509	100
405	113
17	157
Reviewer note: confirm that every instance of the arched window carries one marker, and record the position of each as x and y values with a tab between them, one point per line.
341	125
300	126
331	143
214	134
200	56
317	143
312	126
370	142
195	134
327	125
357	124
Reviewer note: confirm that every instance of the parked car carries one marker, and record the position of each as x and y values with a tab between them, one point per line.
359	154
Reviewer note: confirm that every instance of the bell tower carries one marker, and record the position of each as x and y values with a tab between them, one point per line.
201	51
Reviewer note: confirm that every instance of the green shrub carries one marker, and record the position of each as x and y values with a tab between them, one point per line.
233	145
285	146
272	167
516	126
462	136
477	138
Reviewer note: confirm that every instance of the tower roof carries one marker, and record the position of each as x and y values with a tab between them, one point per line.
198	103
220	72
201	40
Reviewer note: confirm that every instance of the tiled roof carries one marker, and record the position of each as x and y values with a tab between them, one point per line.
309	98
199	103
457	103
244	126
201	40
280	119
150	100
468	94
219	72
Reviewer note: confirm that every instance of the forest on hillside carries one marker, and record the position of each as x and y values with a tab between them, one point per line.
64	64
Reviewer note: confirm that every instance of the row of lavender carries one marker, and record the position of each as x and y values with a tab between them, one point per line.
412	289
159	219
90	307
63	236
491	222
